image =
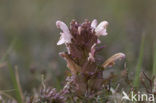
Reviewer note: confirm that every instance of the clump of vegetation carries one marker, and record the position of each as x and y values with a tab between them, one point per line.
89	79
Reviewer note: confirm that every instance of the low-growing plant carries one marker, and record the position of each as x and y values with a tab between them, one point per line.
90	78
86	82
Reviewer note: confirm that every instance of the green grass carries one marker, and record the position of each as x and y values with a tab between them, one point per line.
16	83
136	81
14	75
8	51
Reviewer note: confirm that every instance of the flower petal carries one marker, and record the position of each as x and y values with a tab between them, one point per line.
62	26
61	41
66	35
101	29
94	24
92	53
98	41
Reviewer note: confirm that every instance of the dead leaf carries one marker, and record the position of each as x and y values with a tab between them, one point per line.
70	63
112	59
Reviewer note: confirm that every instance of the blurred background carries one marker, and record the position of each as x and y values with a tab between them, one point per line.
28	35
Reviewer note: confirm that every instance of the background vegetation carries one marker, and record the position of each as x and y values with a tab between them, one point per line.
28	36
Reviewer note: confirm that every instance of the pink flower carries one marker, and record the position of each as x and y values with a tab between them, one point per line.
100	29
94	24
92	53
65	35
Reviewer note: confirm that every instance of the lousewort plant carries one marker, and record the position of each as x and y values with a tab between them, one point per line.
89	80
85	82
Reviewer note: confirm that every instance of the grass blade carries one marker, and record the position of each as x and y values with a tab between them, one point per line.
8	51
16	84
6	95
139	63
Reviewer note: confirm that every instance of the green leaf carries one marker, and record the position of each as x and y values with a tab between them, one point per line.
136	81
